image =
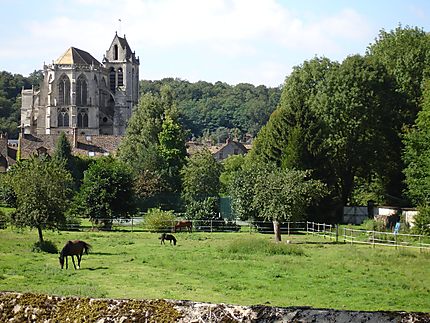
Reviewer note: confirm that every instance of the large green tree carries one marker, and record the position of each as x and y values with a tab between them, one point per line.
154	145
201	185
360	127
43	188
336	120
405	53
106	192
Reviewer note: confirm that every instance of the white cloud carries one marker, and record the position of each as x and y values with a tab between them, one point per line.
226	30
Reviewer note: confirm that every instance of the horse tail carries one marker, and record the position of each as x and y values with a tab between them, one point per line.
174	241
87	247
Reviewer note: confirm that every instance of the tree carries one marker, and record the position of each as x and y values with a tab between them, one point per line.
405	53
283	195
200	182
242	188
63	149
417	154
360	129
338	121
231	166
154	147
172	150
42	188
106	193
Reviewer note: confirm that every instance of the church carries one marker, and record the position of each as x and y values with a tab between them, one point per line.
81	96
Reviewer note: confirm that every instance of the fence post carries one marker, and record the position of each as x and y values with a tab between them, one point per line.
373	239
419	243
288	228
395	240
211	225
132	223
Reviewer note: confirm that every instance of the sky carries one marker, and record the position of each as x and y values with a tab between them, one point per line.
233	41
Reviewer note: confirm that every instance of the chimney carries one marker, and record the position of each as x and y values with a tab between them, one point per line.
75	136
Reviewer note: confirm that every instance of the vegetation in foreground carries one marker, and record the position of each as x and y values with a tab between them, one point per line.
235	268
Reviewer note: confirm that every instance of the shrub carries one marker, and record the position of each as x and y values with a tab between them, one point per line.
205	209
373	225
45	246
157	220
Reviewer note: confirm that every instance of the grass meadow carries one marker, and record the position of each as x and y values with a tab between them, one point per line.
234	268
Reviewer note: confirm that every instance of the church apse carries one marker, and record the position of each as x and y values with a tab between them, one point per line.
80	92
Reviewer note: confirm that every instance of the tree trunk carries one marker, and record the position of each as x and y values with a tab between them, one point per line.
277	230
39	230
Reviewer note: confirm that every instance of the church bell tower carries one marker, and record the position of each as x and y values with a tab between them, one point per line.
123	82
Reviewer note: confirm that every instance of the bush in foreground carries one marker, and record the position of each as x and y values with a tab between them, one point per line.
157	220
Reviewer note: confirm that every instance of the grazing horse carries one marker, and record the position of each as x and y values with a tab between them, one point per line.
168	237
183	224
73	248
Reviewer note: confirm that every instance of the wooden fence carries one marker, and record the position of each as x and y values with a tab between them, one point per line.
374	238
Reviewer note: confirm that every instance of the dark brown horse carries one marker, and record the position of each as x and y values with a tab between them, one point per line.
183	224
73	248
168	237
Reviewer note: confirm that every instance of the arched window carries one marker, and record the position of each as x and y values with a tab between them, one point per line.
82	118
63	117
112	79
64	91
115	52
81	91
120	77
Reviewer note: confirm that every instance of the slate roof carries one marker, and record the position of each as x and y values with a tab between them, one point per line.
78	57
96	145
129	55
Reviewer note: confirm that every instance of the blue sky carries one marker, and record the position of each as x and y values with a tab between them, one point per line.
234	41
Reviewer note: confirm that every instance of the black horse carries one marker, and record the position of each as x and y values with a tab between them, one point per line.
73	248
169	237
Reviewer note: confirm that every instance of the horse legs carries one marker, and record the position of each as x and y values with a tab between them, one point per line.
79	260
73	260
67	262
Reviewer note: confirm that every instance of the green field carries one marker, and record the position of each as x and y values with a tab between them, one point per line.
233	268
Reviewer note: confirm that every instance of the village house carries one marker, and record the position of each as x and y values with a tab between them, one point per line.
220	152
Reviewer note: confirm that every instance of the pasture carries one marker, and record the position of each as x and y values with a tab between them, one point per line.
234	268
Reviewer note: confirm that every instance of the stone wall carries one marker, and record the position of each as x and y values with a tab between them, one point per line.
28	307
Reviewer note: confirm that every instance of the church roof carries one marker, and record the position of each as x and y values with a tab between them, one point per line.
77	56
95	145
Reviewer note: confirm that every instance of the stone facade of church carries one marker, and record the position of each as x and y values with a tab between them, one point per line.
83	96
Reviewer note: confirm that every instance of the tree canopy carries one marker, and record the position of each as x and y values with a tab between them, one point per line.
106	193
42	188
